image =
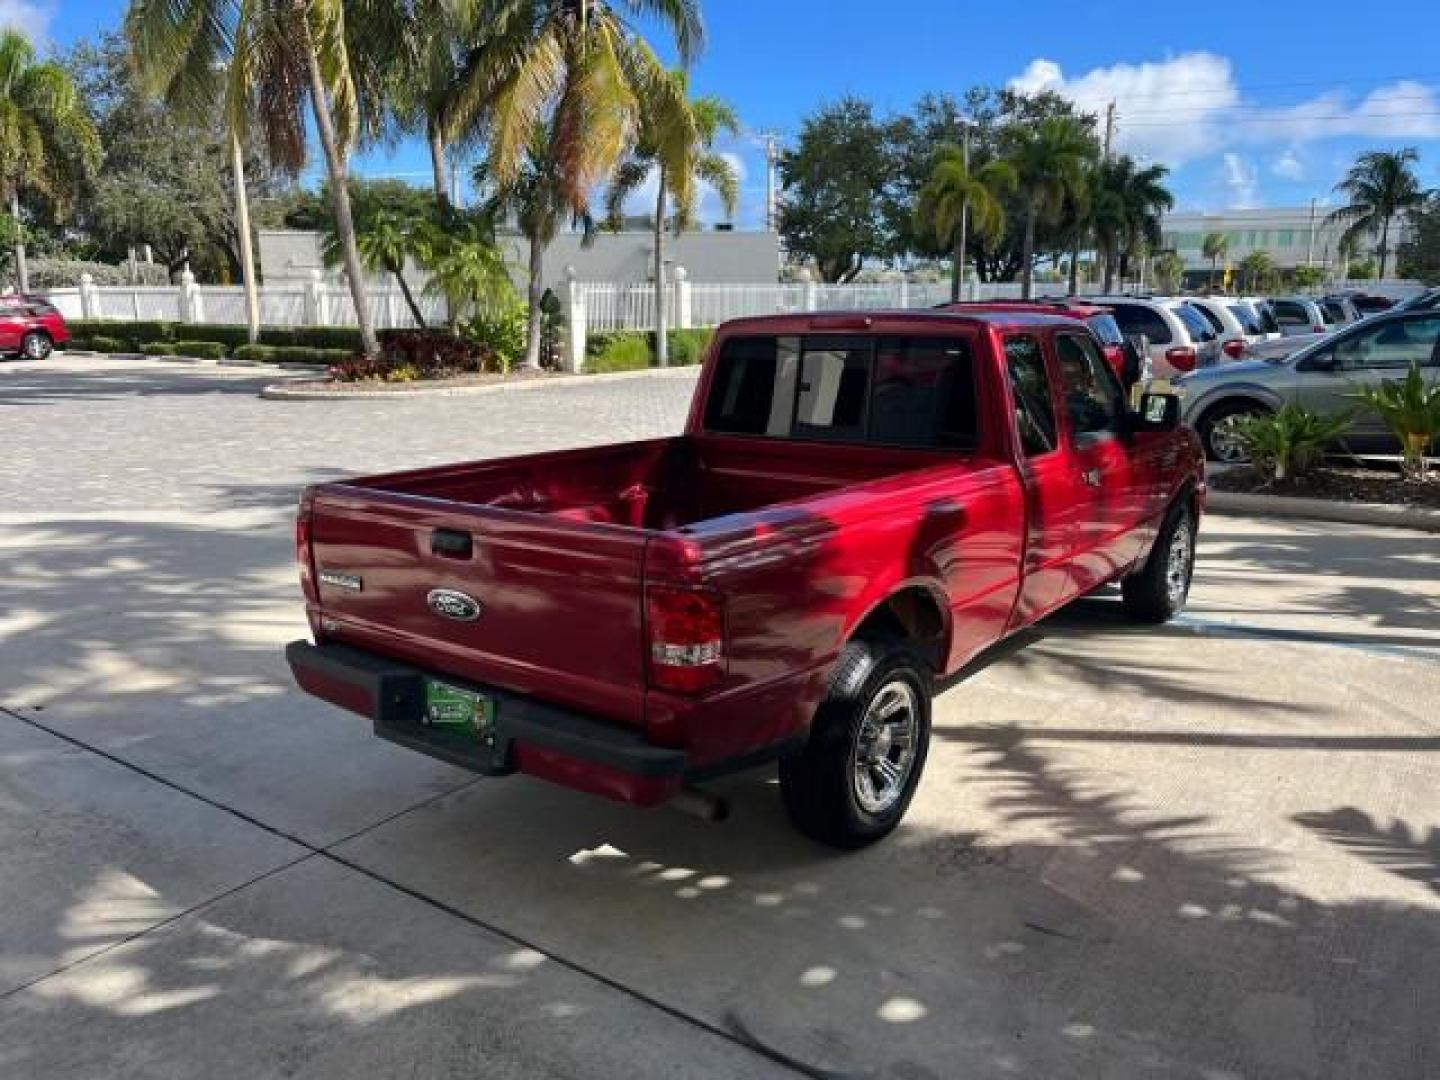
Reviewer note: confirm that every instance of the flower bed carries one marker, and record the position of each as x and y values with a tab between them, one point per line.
1368	483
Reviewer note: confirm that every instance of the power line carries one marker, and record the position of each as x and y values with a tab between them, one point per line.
1263	108
1256	121
1332	83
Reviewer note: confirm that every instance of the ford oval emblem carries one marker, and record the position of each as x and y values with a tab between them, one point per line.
453	605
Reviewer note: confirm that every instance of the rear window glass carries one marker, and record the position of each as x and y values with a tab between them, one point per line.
1334	311
1267	317
1248	319
1210	317
888	391
1136	319
1106	329
1194	322
1288	311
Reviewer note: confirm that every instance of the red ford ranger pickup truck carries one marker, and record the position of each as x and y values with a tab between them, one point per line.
859	504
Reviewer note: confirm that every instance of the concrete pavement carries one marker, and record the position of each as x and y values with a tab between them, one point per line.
1204	850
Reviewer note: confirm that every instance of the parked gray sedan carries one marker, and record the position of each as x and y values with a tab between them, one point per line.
1321	377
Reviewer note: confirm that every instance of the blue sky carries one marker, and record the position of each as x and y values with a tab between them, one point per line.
1250	104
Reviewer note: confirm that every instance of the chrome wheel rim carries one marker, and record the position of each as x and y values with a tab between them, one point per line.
35	348
1177	567
1225	439
884	753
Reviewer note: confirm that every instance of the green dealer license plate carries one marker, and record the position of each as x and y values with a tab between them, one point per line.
462	712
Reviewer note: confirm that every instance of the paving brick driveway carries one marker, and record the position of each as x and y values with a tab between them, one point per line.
1208	850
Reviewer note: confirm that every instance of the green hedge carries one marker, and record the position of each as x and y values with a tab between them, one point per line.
203	350
101	343
633	350
157	348
292	354
135	335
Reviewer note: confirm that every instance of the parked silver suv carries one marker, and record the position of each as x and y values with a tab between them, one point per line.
1321	377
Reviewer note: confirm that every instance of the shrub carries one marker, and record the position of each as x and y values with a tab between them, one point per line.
1410	408
157	348
100	343
688	346
502	332
263	353
1289	443
46	273
625	350
419	354
315	337
202	350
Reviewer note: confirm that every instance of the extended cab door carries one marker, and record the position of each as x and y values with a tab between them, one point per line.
1109	488
1046	473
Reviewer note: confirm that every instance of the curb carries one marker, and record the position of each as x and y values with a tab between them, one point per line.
281	392
1244	504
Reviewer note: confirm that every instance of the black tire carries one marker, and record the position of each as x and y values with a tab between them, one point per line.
1153	595
1211	429
36	345
820	785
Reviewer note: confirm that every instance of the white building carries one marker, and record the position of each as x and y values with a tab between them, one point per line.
1293	236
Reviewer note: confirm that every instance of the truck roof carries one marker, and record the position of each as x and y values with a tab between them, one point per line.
877	321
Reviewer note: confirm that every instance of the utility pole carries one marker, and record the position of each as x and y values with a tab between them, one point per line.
1109	128
772	157
959	279
1310	248
455	184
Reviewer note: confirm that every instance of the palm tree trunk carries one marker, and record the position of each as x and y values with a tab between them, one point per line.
1075	267
247	252
1109	268
1027	252
1213	261
437	164
662	333
22	270
536	291
336	168
1384	243
957	255
398	273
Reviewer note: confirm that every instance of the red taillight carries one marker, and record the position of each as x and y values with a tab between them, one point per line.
1234	348
302	555
1181	358
687	638
1317	329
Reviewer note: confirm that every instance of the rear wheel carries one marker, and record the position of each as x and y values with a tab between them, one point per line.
1219	430
36	345
853	782
1158	593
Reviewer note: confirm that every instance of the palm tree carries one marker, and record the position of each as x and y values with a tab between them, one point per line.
1257	270
955	190
1215	247
1049	161
278	56
579	66
536	198
48	143
466	266
1129	200
1380	185
385	242
679	151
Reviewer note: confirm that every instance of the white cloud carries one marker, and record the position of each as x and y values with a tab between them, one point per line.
1288	166
1191	106
1239	177
29	16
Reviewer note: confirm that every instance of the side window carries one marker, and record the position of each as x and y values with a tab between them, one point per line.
1093	399
1030	390
1210	317
1289	313
1135	319
1396	344
743	388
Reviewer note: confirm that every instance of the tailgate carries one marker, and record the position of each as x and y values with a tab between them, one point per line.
556	609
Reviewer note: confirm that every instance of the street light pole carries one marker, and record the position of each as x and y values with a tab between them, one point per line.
1310	248
959	277
242	226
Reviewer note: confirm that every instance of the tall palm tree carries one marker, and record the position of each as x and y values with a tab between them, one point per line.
278	57
1380	185
1215	247
578	65
679	151
1129	200
1049	162
954	190
386	241
48	143
537	200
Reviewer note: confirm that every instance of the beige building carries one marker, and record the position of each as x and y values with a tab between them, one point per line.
1292	236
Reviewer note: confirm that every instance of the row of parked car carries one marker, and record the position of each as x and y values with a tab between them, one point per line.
1229	357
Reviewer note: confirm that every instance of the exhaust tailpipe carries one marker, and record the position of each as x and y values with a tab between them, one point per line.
701	804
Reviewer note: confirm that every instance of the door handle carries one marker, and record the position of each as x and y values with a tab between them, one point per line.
1091	477
451	544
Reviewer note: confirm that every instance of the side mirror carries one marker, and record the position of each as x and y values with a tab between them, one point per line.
1156	412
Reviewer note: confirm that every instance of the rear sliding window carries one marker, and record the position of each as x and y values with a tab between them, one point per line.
885	391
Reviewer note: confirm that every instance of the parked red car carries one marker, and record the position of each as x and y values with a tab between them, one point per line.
859	505
1100	320
30	326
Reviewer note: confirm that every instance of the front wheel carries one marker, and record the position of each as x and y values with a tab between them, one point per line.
36	346
854	781
1158	593
1219	431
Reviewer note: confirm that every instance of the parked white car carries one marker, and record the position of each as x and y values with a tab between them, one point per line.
1224	318
1180	338
1300	315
